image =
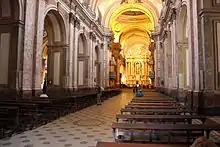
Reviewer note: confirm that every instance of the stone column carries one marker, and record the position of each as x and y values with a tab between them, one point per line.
182	65
75	52
106	63
40	5
103	64
195	39
92	72
190	74
91	60
27	56
174	55
166	61
169	56
157	62
70	52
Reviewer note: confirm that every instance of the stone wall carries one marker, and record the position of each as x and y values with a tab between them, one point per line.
66	22
194	27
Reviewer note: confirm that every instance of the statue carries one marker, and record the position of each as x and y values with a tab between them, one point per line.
86	3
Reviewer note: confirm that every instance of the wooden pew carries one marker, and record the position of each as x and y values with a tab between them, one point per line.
114	144
156	111
44	109
153	107
66	104
9	120
154	104
172	128
27	112
160	118
152	101
61	106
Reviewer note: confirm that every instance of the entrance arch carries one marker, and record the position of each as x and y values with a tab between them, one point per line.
82	78
10	43
54	50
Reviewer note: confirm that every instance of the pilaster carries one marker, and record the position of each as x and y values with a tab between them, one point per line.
70	62
92	38
75	52
29	34
37	57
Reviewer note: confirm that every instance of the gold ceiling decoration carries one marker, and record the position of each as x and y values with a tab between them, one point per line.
130	1
123	21
130	7
133	13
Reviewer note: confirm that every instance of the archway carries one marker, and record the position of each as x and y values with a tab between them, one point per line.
183	47
132	26
82	80
53	50
10	43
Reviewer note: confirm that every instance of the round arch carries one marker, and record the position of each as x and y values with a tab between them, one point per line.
53	49
146	8
11	42
82	44
55	26
182	23
127	7
129	30
117	3
82	61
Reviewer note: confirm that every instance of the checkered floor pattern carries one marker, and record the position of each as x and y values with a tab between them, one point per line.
81	129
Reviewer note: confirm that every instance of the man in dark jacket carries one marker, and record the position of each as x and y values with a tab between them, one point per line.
99	94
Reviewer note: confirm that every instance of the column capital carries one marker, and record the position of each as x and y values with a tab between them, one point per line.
74	20
92	36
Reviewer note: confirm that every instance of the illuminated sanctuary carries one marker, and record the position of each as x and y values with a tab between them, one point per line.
132	25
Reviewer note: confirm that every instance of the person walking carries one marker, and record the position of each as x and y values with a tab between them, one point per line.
99	94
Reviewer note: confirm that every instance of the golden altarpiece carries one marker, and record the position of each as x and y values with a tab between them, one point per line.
137	66
132	32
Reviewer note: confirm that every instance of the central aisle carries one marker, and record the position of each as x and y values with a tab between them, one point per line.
81	129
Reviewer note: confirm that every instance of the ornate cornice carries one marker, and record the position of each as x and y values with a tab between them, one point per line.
84	14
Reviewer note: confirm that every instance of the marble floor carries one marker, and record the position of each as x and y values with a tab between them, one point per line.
81	129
